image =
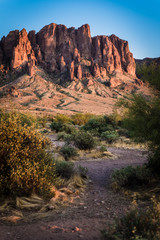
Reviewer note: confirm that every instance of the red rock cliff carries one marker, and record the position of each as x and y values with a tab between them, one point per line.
68	51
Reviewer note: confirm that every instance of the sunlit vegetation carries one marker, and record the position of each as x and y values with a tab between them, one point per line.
81	129
25	166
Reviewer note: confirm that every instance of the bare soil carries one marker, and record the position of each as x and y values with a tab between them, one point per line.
97	207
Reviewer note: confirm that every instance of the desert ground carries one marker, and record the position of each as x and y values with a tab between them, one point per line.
96	208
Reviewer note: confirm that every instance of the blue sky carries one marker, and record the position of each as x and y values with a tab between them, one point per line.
137	21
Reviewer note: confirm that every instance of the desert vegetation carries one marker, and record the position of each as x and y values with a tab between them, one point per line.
32	166
142	122
149	71
29	173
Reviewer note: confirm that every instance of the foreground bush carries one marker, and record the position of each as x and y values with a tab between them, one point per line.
137	225
25	167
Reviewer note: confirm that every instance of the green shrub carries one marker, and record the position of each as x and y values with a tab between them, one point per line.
68	152
57	126
84	140
25	167
99	125
70	129
61	135
96	125
109	136
64	169
130	176
136	225
62	127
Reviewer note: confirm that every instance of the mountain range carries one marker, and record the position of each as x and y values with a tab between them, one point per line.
62	69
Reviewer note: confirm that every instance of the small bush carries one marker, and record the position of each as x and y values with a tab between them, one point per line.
84	140
64	169
57	126
130	176
96	125
62	127
61	135
109	136
68	152
137	225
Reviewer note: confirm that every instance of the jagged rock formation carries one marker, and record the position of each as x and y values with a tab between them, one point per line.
70	52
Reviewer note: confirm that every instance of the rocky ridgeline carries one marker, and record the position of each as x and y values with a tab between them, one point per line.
67	52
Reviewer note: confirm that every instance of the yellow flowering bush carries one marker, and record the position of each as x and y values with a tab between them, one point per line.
25	166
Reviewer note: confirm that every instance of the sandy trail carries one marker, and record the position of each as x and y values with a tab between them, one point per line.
96	209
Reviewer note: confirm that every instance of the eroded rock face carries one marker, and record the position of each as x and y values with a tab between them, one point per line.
8	44
16	48
127	60
23	52
59	49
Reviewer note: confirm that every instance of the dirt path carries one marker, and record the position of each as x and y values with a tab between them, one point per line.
98	206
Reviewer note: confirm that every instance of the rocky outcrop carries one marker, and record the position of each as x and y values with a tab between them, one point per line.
59	50
17	49
22	52
127	60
